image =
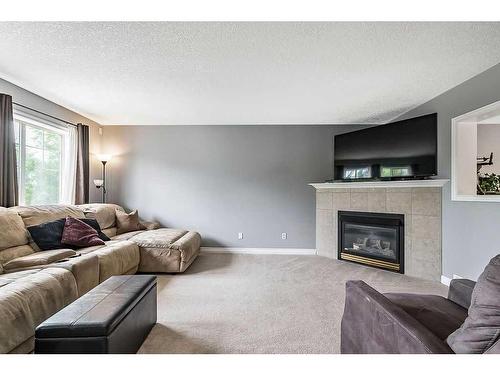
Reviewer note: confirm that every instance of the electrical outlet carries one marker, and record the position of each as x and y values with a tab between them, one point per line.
283	236
240	236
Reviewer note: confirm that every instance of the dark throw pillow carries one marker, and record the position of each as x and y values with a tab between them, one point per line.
94	224
481	328
77	233
48	235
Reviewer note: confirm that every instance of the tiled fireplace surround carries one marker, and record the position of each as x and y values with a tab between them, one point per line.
421	207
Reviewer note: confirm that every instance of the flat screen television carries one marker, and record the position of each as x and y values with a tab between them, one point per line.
400	150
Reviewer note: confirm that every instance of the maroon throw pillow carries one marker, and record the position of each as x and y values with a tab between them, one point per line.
77	233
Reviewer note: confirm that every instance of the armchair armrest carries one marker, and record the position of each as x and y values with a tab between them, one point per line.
460	292
373	324
150	225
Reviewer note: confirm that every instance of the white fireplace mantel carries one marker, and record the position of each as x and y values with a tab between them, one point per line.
380	184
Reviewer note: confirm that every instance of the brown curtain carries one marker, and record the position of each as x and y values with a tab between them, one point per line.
82	165
9	192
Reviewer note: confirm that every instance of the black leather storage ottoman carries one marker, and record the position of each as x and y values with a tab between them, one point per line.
114	317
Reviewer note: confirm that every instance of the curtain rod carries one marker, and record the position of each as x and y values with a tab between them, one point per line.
45	114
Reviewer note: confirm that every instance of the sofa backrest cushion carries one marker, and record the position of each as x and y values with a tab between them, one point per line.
12	230
104	213
34	215
14	237
481	329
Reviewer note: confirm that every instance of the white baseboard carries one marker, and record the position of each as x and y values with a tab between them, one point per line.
445	280
259	250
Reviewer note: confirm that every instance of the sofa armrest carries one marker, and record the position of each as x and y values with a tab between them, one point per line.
150	225
373	324
460	292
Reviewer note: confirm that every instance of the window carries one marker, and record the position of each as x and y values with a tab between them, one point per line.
44	160
355	173
395	171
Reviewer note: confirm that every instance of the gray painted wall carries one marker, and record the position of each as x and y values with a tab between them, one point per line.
471	230
221	180
28	99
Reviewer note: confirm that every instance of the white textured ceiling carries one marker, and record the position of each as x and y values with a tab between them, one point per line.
244	73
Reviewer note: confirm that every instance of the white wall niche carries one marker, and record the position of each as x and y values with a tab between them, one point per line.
464	152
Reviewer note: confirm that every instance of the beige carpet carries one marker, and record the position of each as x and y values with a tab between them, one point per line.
229	303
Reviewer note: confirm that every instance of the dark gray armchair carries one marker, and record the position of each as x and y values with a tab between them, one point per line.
400	322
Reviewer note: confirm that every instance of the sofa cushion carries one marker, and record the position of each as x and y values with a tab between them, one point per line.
29	300
34	215
104	213
15	252
438	314
128	222
167	250
85	269
38	259
126	236
110	232
150	225
13	233
8	278
163	237
481	329
115	258
79	234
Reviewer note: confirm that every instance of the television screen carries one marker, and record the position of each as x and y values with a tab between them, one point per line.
399	150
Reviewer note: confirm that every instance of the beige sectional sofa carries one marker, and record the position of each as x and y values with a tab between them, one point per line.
36	284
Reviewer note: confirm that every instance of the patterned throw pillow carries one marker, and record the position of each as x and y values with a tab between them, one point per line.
77	233
127	222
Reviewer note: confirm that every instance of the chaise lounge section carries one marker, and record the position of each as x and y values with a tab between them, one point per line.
35	284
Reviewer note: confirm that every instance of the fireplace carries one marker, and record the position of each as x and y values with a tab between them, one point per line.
374	239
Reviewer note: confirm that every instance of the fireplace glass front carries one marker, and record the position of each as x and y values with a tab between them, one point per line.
375	239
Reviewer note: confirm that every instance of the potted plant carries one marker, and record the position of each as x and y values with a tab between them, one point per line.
489	183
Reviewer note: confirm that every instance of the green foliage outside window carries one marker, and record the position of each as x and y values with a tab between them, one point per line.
41	165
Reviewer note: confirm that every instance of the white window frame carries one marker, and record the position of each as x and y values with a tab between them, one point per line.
45	123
